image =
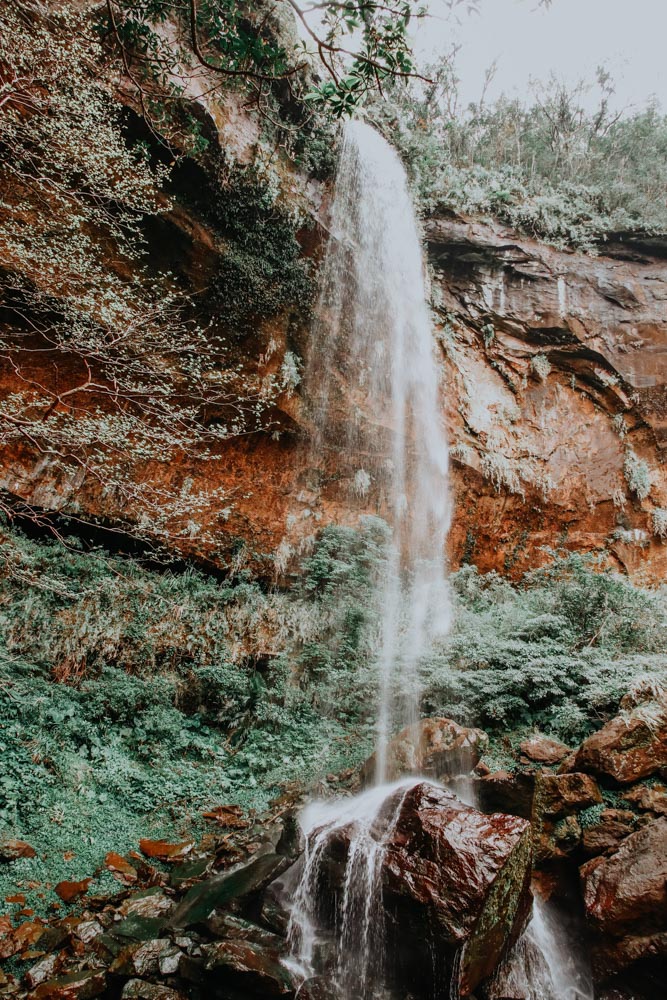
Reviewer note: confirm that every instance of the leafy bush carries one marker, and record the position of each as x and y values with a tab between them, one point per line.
261	270
130	699
551	167
557	651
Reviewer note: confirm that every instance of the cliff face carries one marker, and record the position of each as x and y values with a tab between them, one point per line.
555	395
554	374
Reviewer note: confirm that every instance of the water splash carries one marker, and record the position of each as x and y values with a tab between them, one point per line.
545	964
374	385
366	823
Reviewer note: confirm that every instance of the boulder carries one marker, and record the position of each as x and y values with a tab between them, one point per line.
235	887
561	795
648	798
631	746
248	967
75	986
542	750
138	989
625	899
557	801
451	877
606	835
436	748
507	793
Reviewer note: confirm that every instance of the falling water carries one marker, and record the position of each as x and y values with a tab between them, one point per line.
374	383
545	964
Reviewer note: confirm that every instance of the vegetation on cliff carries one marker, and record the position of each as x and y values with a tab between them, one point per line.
556	165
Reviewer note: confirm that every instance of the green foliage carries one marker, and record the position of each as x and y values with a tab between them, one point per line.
558	651
637	474
261	270
130	700
549	167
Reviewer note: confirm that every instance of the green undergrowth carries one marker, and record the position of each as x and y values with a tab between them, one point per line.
131	699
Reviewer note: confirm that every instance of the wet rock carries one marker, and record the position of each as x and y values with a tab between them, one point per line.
162	850
649	798
75	986
557	839
12	850
227	925
625	899
17	939
239	886
558	798
151	903
450	876
629	747
317	988
438	748
543	750
606	836
138	928
507	793
230	817
185	875
44	970
138	989
69	891
152	958
249	967
291	842
564	794
121	868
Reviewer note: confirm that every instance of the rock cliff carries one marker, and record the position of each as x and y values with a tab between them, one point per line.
554	374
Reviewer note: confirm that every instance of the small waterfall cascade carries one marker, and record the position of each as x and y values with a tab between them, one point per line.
545	964
373	381
356	952
373	384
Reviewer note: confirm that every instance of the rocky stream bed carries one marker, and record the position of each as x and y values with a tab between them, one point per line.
586	827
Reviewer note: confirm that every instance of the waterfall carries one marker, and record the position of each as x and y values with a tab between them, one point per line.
545	964
374	385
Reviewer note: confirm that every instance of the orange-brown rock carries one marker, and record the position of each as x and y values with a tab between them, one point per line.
446	866
631	746
648	798
625	897
162	850
542	750
606	835
74	986
11	850
69	891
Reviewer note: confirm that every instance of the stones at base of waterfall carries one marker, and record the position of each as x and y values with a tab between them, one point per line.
541	749
451	877
625	899
631	746
436	748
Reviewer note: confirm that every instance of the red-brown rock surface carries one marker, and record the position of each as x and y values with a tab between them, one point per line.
631	746
538	454
434	747
625	897
450	876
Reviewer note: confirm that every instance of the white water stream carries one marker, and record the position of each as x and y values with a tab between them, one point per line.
373	382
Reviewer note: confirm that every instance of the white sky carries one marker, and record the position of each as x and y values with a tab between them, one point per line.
572	38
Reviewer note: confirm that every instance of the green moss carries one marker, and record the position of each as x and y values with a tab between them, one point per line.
261	270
